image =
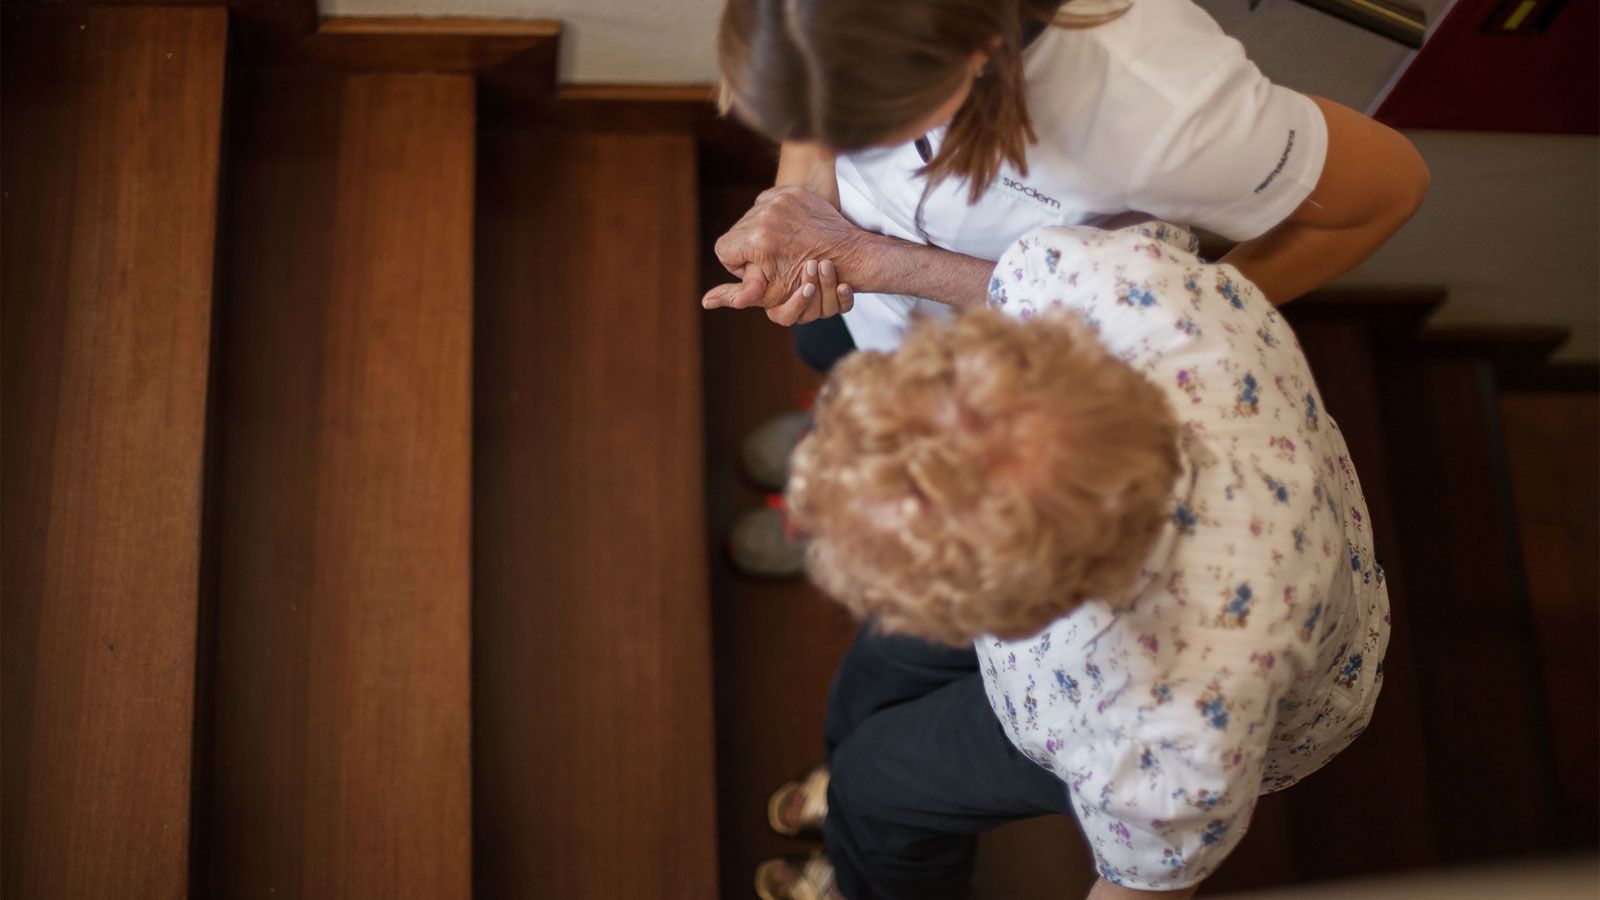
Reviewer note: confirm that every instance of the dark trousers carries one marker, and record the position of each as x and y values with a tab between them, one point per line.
919	768
919	764
822	343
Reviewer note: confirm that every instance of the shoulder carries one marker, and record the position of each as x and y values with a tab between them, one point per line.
1163	49
1128	284
1078	264
1099	95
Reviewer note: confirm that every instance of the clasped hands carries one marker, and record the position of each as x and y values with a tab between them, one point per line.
789	252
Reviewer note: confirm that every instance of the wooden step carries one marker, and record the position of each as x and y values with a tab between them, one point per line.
338	759
1464	583
593	751
778	642
111	122
513	60
1554	378
1387	312
1552	436
1423	427
1510	350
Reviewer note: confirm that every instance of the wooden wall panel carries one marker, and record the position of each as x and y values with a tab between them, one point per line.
1475	659
593	760
340	762
1552	443
109	230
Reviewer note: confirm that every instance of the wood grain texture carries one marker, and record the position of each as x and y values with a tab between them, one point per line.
431	44
109	229
1552	443
259	28
340	760
733	153
1479	699
777	642
593	758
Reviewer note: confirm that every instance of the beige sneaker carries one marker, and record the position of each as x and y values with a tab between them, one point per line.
761	544
810	878
766	450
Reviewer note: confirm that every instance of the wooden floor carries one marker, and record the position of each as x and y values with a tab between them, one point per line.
776	643
337	754
593	751
1553	442
109	226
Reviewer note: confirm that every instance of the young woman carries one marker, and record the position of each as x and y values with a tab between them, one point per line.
941	133
921	137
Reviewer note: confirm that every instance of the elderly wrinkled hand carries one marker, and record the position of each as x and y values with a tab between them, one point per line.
768	250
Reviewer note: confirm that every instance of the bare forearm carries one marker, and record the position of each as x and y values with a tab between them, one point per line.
1371	184
1293	259
810	166
884	265
888	265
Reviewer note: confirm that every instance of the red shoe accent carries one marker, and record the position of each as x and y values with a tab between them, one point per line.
775	501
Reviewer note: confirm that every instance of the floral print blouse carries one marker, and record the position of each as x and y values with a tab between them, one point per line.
1253	653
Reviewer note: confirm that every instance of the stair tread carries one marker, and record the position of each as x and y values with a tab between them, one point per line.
111	130
1464	583
589	511
1391	312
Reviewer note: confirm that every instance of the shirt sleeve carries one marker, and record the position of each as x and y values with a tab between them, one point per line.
1236	157
1119	282
1163	802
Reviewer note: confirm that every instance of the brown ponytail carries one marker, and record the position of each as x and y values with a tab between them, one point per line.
853	73
993	126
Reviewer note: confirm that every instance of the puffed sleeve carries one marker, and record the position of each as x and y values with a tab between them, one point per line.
1165	798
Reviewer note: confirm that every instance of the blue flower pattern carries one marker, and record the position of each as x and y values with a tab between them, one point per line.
1167	716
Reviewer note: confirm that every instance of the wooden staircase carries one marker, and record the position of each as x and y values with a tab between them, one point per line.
106	271
365	556
366	461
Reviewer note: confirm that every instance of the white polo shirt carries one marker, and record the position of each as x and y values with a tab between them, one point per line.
1156	114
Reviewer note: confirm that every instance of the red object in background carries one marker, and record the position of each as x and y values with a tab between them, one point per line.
1474	75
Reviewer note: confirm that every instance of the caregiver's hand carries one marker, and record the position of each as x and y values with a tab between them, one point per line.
768	249
821	293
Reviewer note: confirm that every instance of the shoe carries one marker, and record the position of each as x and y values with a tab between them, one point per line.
808	878
813	789
761	543
766	450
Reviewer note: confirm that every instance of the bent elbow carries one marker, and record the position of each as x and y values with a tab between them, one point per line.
1414	179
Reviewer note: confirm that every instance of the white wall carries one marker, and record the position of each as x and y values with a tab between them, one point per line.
1511	226
1313	52
1512	223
